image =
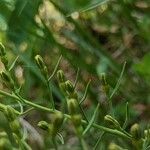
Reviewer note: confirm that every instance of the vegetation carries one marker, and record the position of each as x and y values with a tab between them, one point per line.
74	74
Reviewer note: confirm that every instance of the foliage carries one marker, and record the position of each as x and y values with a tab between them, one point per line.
95	36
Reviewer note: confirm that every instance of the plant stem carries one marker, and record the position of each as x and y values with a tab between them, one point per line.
54	143
83	144
28	102
50	94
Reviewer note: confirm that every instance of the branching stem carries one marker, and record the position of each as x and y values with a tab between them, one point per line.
29	102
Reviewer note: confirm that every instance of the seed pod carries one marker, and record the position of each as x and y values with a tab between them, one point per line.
114	146
112	121
73	106
69	87
43	125
60	76
2	50
57	123
10	113
135	131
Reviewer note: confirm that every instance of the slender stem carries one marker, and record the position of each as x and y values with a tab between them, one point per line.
83	144
85	93
28	102
98	141
27	111
54	143
83	113
77	76
55	69
50	94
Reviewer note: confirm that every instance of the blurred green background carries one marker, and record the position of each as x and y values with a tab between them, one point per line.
94	35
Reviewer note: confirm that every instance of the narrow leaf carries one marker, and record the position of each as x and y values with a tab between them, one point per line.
92	120
13	64
98	141
127	115
119	81
85	93
77	77
55	69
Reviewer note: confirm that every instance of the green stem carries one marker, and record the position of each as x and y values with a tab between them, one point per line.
50	94
54	143
111	131
83	144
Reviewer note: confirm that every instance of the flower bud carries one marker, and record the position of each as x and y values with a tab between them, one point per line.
105	85
7	79
112	121
114	146
2	107
60	76
2	50
103	78
135	131
147	133
15	127
69	87
57	122
43	125
10	113
5	144
39	61
73	106
3	55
